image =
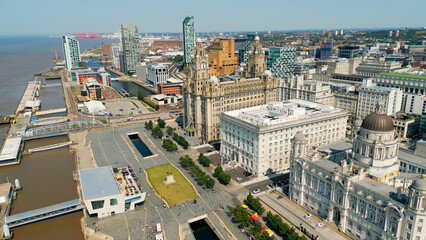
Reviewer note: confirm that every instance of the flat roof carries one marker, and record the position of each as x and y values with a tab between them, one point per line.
98	182
402	75
11	148
275	113
4	189
411	158
376	187
338	146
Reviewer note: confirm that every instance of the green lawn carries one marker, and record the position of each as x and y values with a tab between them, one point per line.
96	51
176	193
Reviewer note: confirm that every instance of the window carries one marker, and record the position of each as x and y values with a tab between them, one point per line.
419	229
98	204
113	202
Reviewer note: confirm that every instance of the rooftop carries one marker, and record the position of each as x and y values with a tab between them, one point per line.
10	149
4	189
281	112
411	158
377	187
392	74
98	182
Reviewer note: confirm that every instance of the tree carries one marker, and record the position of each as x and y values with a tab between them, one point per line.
240	216
218	170
180	140
140	96
178	58
205	161
169	145
225	178
186	161
170	130
210	182
157	132
161	123
149	124
254	204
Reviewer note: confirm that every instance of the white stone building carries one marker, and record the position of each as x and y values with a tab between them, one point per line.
372	68
356	194
370	95
106	193
157	73
412	82
258	138
343	66
295	87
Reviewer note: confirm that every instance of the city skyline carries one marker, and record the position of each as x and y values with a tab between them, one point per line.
274	16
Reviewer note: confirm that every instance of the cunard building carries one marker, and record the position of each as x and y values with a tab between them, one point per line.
360	192
207	96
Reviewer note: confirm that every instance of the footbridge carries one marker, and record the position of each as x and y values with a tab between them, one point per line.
49	147
59	129
43	213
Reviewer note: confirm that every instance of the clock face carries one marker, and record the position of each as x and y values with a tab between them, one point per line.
193	66
203	66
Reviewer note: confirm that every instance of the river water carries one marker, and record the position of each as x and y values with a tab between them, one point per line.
46	176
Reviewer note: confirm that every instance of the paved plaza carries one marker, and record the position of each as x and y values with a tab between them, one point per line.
111	147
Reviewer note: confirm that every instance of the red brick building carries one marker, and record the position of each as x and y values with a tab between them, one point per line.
171	44
106	49
170	88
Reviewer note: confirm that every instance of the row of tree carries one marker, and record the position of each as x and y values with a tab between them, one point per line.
169	145
254	204
201	177
142	98
181	141
282	228
223	177
203	160
244	220
157	132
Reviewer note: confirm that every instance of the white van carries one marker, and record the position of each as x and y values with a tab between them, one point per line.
158	227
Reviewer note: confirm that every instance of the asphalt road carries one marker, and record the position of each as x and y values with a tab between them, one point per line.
263	185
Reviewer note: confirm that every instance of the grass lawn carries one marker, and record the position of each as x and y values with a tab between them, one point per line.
96	51
176	193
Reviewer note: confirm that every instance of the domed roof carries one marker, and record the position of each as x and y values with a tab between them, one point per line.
213	79
257	38
378	122
419	184
267	73
198	39
358	123
299	136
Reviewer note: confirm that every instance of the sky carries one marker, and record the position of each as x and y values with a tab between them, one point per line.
29	17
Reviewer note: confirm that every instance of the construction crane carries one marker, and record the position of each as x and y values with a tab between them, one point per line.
328	32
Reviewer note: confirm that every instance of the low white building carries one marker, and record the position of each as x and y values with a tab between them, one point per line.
370	95
10	153
107	193
258	138
95	107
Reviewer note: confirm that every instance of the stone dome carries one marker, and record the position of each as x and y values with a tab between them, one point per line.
198	39
378	122
267	73
214	79
299	137
257	38
357	123
241	69
419	184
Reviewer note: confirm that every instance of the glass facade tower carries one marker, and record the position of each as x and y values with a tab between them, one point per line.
131	52
281	61
71	49
188	39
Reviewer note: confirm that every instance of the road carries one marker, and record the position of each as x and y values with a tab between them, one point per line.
295	215
263	185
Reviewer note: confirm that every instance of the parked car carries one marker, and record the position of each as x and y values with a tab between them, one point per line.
307	215
271	185
239	179
320	225
279	197
256	191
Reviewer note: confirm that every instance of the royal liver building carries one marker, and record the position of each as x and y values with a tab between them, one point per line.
206	96
364	194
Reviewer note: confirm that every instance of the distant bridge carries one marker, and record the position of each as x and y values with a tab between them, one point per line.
43	213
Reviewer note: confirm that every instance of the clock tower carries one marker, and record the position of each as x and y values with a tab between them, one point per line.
195	84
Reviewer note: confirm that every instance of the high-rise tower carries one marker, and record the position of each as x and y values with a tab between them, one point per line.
131	52
188	39
71	49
